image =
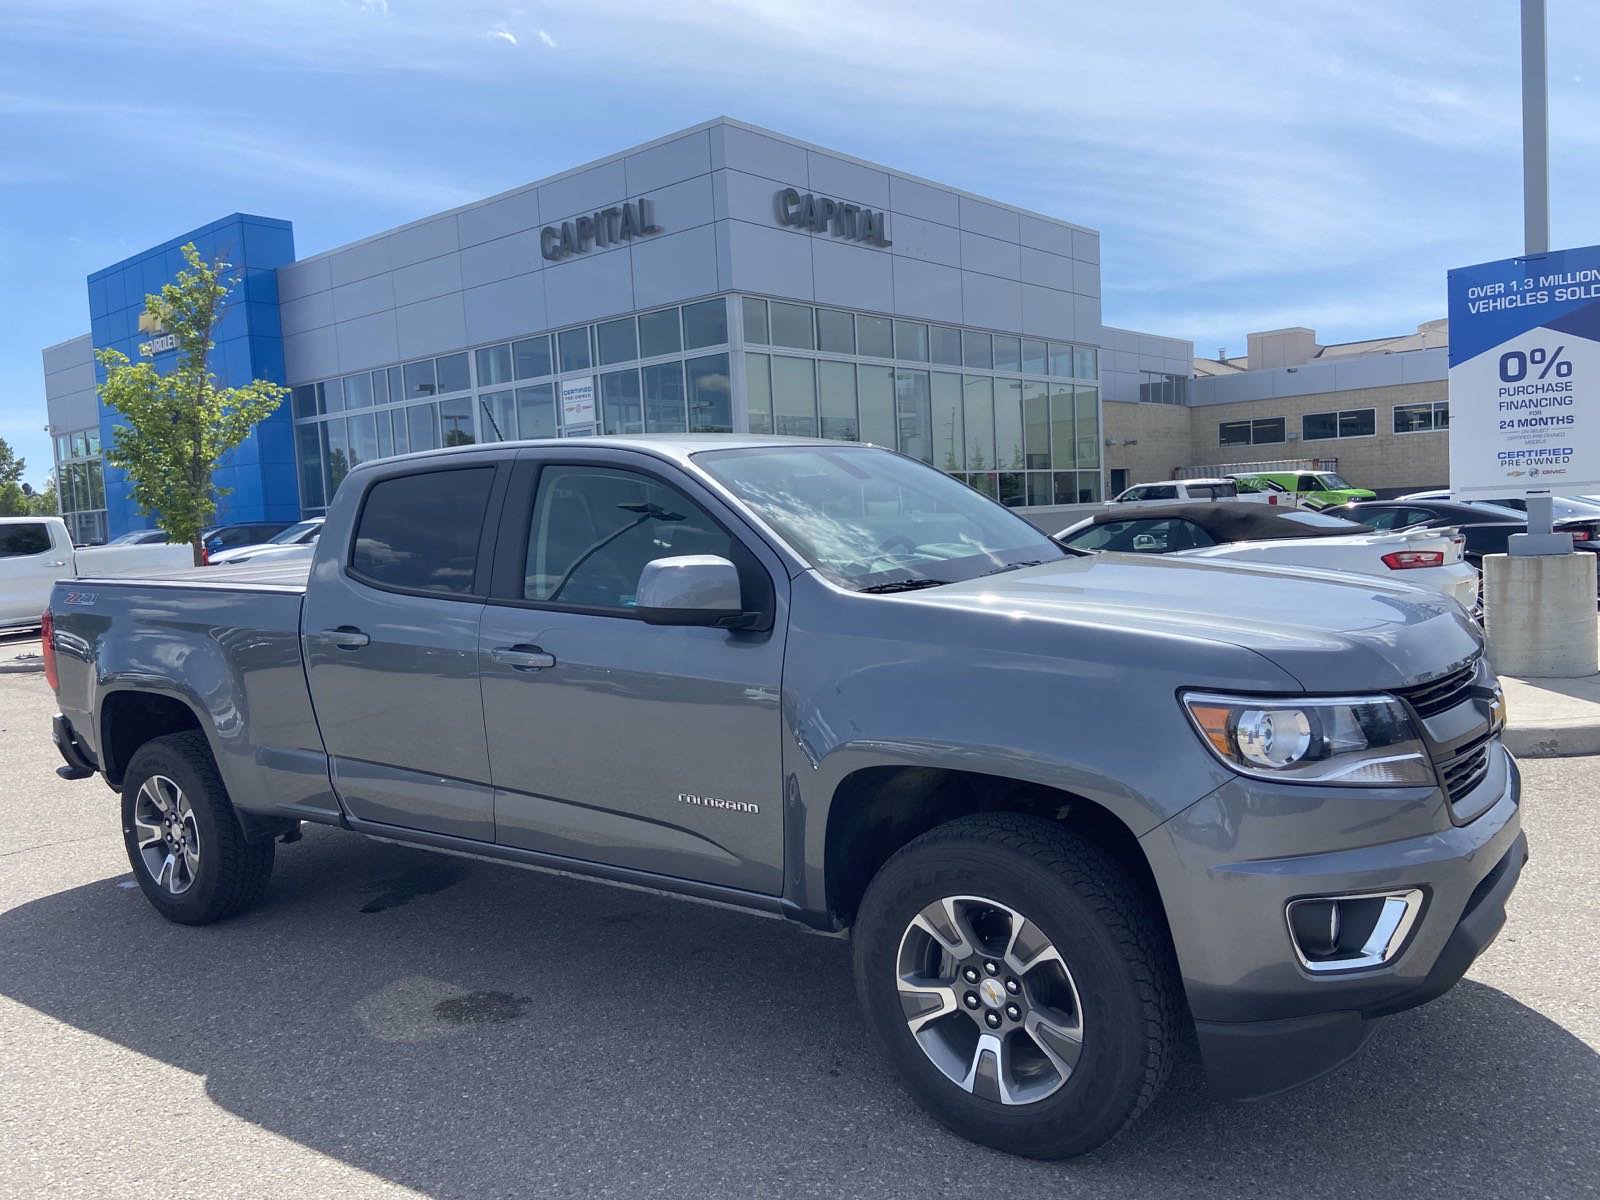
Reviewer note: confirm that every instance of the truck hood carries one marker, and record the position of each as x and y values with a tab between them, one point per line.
1332	631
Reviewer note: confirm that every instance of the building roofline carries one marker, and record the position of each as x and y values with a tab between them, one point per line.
702	127
199	231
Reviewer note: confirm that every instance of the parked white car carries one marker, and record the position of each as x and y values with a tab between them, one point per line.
1427	558
304	533
35	552
1180	491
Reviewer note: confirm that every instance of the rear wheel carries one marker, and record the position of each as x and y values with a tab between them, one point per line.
1019	982
188	852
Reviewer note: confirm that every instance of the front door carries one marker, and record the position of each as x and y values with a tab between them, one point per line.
391	649
650	747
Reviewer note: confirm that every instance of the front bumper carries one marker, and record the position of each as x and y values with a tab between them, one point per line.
1264	1022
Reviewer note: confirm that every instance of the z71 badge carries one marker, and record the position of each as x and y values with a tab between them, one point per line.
81	599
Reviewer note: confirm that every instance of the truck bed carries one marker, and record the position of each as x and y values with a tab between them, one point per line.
275	576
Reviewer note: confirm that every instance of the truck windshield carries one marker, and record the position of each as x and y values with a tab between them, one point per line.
866	518
1332	481
294	533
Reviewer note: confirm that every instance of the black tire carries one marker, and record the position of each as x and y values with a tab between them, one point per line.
232	873
1108	933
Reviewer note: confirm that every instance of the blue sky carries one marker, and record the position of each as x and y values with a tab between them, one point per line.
1249	165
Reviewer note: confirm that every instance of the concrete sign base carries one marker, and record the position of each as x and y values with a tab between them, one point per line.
1539	615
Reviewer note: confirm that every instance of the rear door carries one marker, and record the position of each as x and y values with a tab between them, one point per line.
29	565
656	748
391	648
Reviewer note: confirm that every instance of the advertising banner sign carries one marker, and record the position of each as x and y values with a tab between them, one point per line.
577	406
1525	375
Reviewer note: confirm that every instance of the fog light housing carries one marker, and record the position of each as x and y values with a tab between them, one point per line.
1351	933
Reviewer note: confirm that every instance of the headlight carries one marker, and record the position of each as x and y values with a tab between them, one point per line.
1356	740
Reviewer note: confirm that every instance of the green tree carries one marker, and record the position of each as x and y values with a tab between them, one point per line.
177	426
43	502
12	501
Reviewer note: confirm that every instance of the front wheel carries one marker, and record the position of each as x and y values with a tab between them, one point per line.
188	853
1019	982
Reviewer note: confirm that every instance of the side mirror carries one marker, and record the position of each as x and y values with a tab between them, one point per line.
691	589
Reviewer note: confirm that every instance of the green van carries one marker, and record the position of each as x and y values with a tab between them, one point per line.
1319	488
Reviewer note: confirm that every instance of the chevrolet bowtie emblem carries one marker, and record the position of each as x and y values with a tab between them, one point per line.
148	324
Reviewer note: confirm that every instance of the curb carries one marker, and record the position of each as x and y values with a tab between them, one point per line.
1554	739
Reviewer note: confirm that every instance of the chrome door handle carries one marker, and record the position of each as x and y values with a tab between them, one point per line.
523	658
60	563
346	638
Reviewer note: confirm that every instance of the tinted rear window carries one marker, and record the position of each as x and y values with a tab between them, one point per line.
18	540
421	532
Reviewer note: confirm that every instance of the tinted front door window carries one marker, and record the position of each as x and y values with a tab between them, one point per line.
19	540
595	528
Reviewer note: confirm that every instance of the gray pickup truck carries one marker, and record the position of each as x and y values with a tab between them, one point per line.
1071	808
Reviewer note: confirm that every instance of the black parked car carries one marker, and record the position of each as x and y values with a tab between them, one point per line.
1487	527
246	533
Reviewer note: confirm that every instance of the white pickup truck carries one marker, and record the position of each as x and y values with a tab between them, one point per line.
36	552
1182	491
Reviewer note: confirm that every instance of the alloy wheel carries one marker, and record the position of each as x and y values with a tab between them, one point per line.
989	999
168	836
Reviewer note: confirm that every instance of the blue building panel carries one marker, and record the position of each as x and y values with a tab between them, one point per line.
260	474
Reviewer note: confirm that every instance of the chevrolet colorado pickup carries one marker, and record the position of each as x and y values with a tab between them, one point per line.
1069	807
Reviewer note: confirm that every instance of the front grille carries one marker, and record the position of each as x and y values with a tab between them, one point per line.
1466	770
1441	695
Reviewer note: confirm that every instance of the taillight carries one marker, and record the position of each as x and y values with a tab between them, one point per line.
1580	535
1406	560
205	556
47	641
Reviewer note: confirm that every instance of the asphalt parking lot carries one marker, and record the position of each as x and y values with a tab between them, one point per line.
393	1022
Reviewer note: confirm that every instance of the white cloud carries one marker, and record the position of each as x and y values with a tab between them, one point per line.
550	42
504	35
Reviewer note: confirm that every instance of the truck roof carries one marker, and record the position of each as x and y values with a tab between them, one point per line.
669	445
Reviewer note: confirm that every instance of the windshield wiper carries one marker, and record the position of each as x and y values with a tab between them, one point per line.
1032	562
903	585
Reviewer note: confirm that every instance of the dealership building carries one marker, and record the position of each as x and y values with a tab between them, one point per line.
723	278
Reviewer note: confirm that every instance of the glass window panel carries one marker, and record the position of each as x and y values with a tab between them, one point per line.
911	341
836	398
658	333
1041	488
593	532
63	447
331	395
912	414
358	391
705	324
1034	359
1064	447
791	325
455	422
1315	426
1061	359
836	331
874	337
421	531
1358	422
303	400
758	387
1036	425
710	392
875	390
988	483
979	411
530	358
1266	430
363	434
1087	406
617	341
402	433
385	438
1066	487
1233	433
1441	415
335	456
574	346
1007	354
1013	491
497	414
397	387
97	485
80	445
420	380
976	349
1085	362
755	320
1008	424
621	403
380	387
794	394
536	411
664	409
422	422
944	345
453	373
494	365
1088	487
949	439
